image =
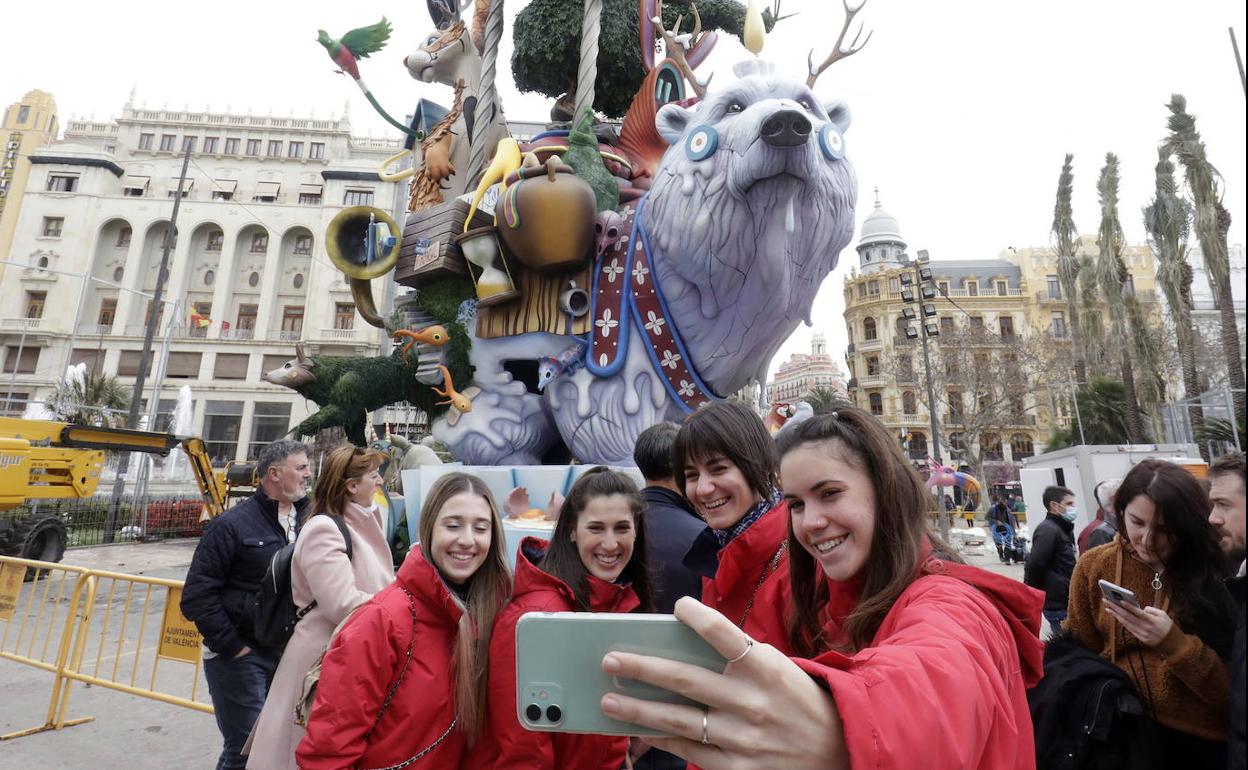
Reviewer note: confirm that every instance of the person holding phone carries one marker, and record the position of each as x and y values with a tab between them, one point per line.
403	684
1174	644
902	656
330	577
595	562
726	461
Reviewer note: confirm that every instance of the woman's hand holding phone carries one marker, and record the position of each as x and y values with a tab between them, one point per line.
1150	625
763	711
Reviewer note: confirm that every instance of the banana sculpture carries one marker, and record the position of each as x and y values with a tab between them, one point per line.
507	159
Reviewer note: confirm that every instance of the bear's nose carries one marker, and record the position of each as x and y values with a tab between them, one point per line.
786	128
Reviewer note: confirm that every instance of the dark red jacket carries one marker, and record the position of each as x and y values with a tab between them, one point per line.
515	748
361	666
732	586
945	676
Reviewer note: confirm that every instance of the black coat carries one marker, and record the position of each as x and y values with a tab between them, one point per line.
1052	561
671	528
1235	739
1087	715
226	570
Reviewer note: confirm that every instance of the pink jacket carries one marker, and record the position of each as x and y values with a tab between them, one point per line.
320	571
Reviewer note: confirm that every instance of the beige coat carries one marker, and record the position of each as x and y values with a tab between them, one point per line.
319	571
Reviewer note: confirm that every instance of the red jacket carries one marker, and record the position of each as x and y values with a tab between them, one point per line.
943	683
515	748
361	666
735	591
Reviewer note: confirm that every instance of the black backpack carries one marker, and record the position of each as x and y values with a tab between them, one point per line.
274	613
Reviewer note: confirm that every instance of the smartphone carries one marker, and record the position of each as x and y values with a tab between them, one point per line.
1118	595
559	676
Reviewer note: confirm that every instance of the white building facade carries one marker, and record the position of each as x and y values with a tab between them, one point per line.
249	275
805	373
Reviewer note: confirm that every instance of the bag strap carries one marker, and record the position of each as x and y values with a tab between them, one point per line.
385	704
768	569
346	533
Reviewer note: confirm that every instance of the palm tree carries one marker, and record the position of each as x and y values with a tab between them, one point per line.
1168	222
825	399
1112	275
1066	239
90	400
1103	410
1212	221
1093	321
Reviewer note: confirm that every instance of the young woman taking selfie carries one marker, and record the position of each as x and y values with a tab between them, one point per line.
1175	644
902	658
404	682
594	562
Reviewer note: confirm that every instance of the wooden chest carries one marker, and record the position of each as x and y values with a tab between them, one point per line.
427	253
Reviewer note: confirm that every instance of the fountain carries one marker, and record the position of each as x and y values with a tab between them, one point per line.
183	417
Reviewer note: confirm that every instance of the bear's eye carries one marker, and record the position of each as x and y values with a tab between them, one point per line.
735	107
806	105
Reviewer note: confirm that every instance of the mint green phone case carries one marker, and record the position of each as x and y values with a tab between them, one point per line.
559	677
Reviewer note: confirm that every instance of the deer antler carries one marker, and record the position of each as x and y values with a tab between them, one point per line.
838	53
676	48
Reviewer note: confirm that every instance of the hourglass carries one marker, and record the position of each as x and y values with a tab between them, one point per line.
492	276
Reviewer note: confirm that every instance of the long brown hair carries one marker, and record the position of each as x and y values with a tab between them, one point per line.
487	591
563	560
902	508
735	431
342	466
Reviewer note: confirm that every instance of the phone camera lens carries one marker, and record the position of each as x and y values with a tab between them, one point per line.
533	712
554	713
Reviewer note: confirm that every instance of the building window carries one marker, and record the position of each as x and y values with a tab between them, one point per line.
123	236
25	363
209	277
246	317
43	263
909	405
294	150
231	146
862	290
1054	286
215	240
972	288
292	321
868	330
62	182
955	405
108	311
34	303
316	151
905	367
991	444
918	446
873	288
23	113
303	244
1007	327
183	365
873	366
894	285
901	324
275	148
1003	289
253	148
52	226
943	287
253	280
118	274
188	143
259	243
1057	324
222	422
358	198
344	315
297	281
168	142
210	144
877	404
957	442
946	325
1021	446
146	141
310	199
977	323
271	422
231	366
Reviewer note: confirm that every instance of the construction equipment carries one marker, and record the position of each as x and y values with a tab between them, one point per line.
45	460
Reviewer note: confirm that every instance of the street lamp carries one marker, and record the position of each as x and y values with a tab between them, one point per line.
922	276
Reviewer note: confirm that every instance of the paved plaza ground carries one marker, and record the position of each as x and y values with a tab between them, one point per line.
136	733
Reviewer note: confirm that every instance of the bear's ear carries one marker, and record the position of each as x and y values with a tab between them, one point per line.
838	113
671	121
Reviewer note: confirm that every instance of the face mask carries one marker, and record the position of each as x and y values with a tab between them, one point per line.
1070	513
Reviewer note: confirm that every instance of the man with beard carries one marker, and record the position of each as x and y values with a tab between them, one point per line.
1226	495
221	585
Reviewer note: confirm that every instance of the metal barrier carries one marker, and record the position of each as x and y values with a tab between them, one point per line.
115	632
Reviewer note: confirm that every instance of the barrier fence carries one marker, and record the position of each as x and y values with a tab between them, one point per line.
101	628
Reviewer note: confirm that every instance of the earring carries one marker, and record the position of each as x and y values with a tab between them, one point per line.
701	143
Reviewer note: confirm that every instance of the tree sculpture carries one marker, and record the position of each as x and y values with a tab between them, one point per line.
1066	239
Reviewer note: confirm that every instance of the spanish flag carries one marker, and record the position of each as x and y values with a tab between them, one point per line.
200	321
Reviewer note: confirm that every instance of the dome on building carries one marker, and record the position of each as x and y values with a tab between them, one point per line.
880	227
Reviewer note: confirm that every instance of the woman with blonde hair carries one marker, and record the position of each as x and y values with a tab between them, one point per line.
404	682
330	576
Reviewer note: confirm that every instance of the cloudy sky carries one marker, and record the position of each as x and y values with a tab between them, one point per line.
962	111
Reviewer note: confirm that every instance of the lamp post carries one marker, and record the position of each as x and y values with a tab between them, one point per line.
919	277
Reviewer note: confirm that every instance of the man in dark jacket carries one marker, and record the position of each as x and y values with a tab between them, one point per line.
1052	559
221	585
1226	495
1001	525
671	527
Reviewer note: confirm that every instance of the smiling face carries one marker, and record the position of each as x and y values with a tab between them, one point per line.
832	507
1147	532
604	536
718	490
360	491
461	536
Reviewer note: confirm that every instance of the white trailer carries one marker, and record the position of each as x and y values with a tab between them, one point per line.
1081	468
